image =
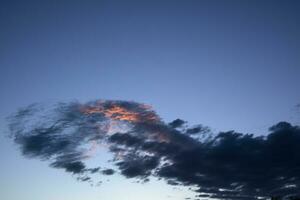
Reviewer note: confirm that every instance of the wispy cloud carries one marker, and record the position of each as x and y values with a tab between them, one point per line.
227	165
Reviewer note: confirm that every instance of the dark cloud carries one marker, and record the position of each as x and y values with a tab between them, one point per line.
74	167
227	165
135	166
241	164
198	129
125	139
177	123
108	171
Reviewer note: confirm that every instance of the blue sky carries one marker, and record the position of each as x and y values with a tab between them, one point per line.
224	64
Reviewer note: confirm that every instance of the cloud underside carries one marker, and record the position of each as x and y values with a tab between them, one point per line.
227	165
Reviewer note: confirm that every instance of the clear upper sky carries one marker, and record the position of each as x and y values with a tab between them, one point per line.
225	64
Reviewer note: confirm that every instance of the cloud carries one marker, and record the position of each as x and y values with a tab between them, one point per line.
227	165
177	123
74	167
108	171
138	166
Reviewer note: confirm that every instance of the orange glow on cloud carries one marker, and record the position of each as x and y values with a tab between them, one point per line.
117	112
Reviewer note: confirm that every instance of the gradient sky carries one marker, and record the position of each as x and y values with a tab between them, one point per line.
224	64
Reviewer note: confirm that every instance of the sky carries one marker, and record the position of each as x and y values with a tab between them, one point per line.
229	65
